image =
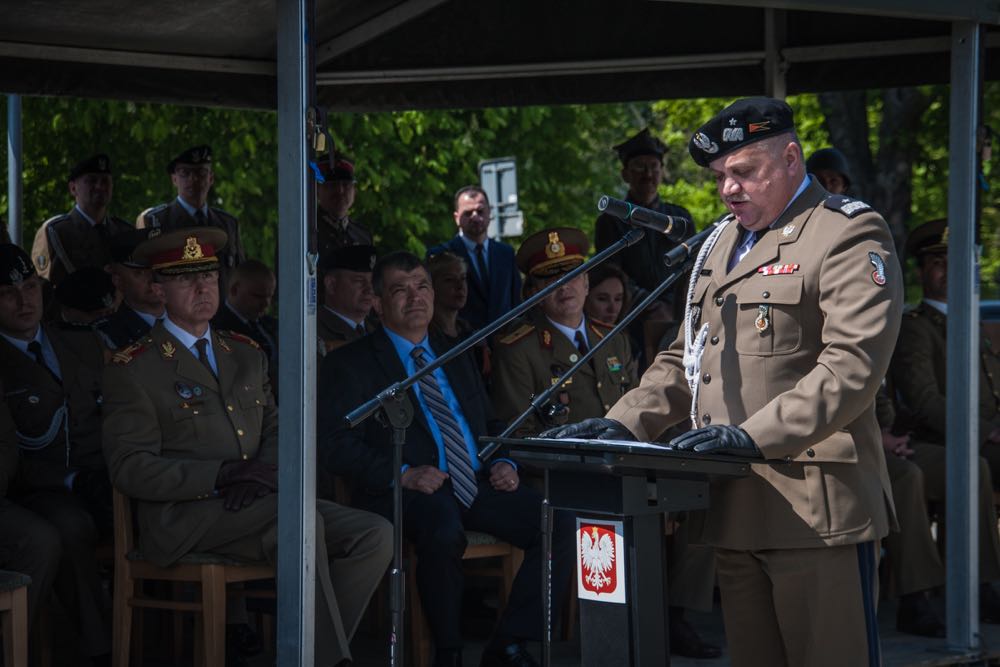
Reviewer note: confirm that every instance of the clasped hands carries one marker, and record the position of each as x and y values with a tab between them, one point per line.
428	479
714	439
241	482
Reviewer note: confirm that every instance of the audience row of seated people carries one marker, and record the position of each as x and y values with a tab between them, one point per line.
136	374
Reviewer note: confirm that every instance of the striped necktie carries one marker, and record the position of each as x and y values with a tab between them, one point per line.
463	478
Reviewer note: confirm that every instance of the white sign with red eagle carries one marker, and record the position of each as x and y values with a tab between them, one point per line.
600	564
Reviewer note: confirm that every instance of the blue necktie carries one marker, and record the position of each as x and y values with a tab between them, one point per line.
463	478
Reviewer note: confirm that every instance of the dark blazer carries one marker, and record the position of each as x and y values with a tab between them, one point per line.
122	327
504	292
354	373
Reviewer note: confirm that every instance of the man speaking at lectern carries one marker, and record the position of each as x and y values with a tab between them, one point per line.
791	318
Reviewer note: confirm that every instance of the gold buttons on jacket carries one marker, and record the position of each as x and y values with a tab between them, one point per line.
718	301
239	432
229	407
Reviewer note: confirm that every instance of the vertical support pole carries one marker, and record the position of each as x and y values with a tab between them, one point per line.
15	170
297	339
962	594
774	66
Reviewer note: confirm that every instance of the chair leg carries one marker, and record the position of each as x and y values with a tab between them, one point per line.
213	613
121	630
15	628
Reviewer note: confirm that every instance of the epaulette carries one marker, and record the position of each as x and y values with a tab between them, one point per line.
127	354
226	333
152	213
224	214
600	328
517	334
848	206
56	218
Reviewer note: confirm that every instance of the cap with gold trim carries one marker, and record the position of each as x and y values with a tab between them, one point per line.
552	252
930	238
187	250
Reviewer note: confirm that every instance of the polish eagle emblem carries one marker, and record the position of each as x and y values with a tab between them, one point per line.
597	559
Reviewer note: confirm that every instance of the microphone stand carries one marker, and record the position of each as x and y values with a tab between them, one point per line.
680	258
395	408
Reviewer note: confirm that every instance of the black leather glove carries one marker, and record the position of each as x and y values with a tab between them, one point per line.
718	439
596	428
251	470
239	495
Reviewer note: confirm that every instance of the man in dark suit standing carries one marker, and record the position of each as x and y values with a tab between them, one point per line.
446	490
494	281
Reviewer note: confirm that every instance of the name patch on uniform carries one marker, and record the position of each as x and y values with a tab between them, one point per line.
777	269
614	364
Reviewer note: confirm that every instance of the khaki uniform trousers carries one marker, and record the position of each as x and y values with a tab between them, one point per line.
356	545
801	607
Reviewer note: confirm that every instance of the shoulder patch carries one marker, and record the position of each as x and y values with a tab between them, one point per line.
846	205
517	334
127	354
232	335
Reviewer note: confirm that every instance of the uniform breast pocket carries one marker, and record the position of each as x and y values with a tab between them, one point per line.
769	318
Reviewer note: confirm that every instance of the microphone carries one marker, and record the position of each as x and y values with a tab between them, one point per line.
688	247
674	227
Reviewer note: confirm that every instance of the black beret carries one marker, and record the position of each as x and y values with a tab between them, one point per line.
642	143
831	159
194	155
15	265
928	239
359	258
123	245
86	289
95	164
741	123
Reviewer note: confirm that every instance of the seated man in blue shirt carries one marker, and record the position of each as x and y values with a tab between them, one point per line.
446	489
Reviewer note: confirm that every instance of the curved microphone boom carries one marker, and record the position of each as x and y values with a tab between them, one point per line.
674	227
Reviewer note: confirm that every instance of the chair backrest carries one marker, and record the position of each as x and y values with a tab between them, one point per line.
124	528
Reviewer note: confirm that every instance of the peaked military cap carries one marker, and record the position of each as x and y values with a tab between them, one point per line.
186	250
552	252
123	247
740	124
642	143
830	159
336	168
929	238
15	265
95	164
86	289
360	258
194	155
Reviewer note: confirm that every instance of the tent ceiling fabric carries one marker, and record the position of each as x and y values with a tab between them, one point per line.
393	54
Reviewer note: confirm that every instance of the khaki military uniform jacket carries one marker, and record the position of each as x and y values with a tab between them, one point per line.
919	375
534	353
333	331
58	424
169	425
802	384
69	242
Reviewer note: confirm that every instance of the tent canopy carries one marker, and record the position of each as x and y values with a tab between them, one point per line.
392	54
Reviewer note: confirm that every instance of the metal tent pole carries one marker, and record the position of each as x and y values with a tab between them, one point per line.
297	340
15	169
962	593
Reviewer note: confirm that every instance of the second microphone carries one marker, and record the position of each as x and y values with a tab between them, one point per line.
675	228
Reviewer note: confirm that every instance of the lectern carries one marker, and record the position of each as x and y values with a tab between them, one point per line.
619	491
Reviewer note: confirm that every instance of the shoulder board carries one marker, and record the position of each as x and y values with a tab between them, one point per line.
232	335
846	205
223	214
154	211
127	354
599	328
517	334
56	218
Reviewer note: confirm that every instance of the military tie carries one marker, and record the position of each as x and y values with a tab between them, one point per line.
749	241
484	274
202	345
581	342
360	330
463	478
199	218
36	349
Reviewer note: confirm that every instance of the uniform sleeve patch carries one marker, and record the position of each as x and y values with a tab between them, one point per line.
846	205
517	334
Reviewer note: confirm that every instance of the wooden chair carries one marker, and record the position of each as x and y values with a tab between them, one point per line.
480	546
14	615
210	571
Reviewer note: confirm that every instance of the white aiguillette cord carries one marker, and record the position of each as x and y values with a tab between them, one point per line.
694	345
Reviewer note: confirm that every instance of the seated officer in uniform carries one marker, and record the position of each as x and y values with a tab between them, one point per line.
82	237
192	176
191	435
550	338
446	490
141	306
52	386
790	323
347	295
